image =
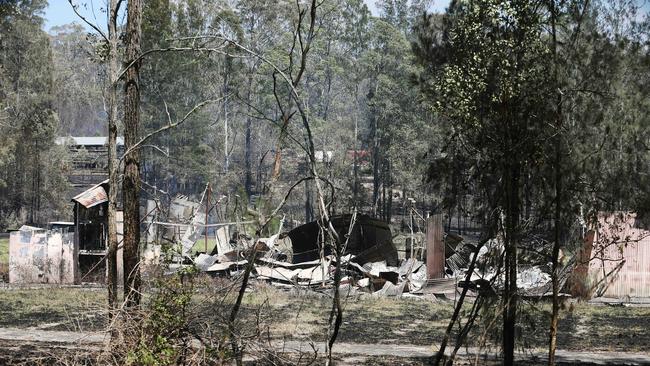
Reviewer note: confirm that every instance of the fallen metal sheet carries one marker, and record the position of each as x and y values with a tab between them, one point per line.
370	240
314	275
193	232
204	261
276	273
418	279
277	263
364	282
223	245
440	286
225	266
410	265
390	289
375	268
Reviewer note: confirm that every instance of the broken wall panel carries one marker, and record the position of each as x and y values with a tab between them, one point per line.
435	247
41	256
619	264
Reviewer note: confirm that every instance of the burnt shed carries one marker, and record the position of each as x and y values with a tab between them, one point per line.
90	231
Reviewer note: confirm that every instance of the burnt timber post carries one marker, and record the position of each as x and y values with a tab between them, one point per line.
435	248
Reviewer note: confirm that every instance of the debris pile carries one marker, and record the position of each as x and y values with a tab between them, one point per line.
370	263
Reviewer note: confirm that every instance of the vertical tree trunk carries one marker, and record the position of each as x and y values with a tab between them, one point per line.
376	178
355	188
389	204
552	344
131	182
511	240
248	180
226	72
111	260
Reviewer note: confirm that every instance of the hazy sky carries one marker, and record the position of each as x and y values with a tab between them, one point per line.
60	12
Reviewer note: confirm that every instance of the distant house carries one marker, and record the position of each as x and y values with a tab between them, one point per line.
89	160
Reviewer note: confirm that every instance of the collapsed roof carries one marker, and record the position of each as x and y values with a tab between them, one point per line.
370	240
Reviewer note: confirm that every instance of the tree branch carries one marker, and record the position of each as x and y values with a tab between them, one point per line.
169	125
90	24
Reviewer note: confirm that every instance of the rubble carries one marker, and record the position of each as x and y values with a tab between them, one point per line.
370	265
370	240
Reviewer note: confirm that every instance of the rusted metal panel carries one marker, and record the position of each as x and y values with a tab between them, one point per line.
620	259
435	248
578	281
92	197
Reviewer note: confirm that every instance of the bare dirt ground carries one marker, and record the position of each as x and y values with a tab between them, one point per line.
46	322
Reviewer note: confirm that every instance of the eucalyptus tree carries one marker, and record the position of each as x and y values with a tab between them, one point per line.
489	90
31	188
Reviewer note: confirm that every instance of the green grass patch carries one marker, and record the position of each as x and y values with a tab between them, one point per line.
200	246
4	251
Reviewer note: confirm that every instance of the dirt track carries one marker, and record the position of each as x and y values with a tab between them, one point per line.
21	343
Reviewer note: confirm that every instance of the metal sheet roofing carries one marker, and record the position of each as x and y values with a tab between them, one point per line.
87	140
93	196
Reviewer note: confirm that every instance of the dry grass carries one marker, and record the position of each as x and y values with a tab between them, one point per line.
302	315
53	308
4	251
4	259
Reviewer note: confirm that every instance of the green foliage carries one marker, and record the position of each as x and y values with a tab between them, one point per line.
30	186
167	325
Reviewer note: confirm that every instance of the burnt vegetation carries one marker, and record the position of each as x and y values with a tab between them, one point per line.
324	182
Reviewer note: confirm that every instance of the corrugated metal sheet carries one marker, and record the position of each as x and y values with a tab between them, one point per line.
87	140
620	258
435	248
93	196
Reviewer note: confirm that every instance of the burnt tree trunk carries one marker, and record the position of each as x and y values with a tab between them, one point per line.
131	181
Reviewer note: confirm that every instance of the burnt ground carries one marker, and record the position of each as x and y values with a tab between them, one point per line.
372	321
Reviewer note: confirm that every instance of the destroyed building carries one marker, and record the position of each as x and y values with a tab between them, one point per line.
91	232
370	240
66	253
88	157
